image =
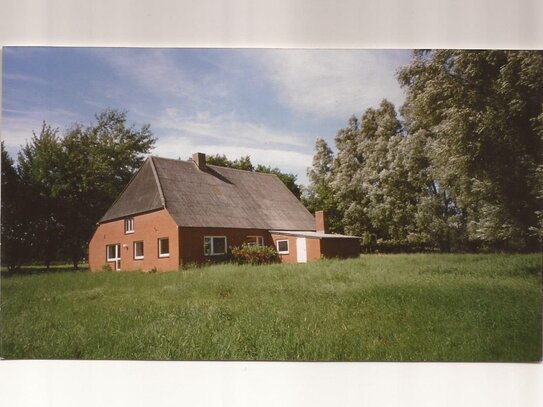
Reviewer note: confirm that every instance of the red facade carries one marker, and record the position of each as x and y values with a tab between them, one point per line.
113	245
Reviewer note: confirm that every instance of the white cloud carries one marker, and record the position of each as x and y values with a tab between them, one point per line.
225	134
334	83
226	128
155	71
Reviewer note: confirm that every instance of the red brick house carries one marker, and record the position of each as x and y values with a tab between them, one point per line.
177	212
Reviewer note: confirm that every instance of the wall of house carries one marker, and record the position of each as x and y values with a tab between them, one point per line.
191	242
313	248
148	227
340	247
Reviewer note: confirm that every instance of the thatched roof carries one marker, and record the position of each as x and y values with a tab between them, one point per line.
214	197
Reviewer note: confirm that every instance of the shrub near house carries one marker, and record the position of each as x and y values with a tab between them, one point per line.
179	212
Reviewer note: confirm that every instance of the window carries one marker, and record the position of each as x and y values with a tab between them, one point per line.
214	245
129	225
282	247
255	240
113	253
164	247
138	250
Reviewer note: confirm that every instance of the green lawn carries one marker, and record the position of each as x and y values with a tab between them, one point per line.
379	307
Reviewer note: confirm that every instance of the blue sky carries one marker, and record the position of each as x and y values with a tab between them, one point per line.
266	103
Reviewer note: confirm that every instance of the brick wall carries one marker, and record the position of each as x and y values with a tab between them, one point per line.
148	227
313	248
192	241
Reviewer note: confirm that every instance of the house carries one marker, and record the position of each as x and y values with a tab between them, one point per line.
177	212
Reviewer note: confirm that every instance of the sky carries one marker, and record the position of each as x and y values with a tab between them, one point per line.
269	104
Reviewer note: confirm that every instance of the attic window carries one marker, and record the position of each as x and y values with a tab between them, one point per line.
129	225
214	245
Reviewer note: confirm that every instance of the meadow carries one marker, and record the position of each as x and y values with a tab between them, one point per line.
417	307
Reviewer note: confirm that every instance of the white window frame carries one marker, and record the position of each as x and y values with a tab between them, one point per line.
259	240
136	257
212	245
128	226
277	246
159	247
117	259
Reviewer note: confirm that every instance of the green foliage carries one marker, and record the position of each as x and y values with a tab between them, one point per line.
74	179
319	195
375	308
242	163
464	169
478	111
14	222
106	268
254	254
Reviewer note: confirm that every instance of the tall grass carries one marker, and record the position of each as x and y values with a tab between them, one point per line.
379	307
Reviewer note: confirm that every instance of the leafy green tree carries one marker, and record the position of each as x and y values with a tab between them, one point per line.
479	112
242	163
319	195
38	168
74	179
15	248
96	163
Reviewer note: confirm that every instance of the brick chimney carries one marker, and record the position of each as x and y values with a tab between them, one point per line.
200	160
321	222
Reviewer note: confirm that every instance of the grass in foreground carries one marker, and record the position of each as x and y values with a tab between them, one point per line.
379	307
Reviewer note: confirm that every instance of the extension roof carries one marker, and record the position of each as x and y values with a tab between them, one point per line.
213	197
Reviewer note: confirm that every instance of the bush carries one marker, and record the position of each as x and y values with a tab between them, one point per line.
252	254
107	268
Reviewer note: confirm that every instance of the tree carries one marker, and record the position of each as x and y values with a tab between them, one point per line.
319	195
38	169
96	163
242	163
14	225
74	179
478	111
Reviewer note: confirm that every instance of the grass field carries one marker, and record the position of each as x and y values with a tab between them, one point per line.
379	307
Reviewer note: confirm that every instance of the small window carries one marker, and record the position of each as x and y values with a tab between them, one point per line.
214	245
138	250
255	240
129	225
282	247
164	247
113	252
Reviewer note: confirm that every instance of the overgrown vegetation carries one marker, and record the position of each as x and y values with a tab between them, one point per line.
431	307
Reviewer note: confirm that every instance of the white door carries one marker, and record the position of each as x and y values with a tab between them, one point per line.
114	255
301	250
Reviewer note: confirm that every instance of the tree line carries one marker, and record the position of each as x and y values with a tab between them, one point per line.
460	168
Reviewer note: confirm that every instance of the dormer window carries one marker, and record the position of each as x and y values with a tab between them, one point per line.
129	225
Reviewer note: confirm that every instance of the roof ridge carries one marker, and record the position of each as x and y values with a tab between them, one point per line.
157	179
239	169
213	165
